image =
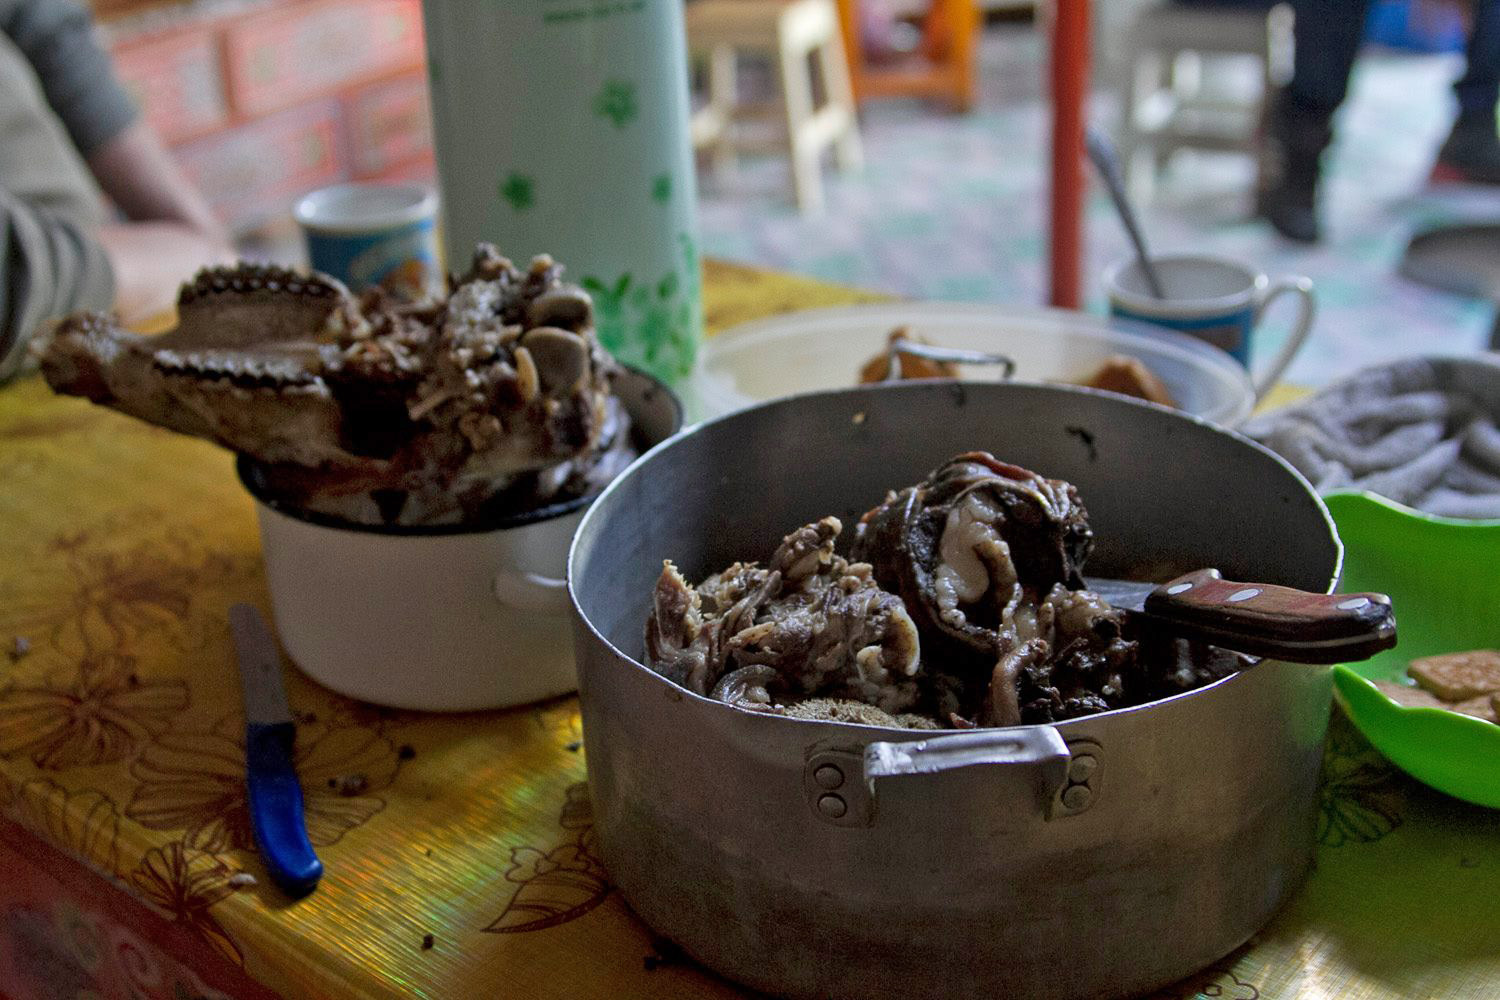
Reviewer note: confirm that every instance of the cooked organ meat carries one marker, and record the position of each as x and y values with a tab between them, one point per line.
963	605
809	624
988	558
973	548
838	710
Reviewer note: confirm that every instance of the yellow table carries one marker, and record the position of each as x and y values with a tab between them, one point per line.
464	868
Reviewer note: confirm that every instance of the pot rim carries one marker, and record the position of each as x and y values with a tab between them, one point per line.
713	704
247	468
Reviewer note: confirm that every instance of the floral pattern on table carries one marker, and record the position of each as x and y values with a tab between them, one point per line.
1210	984
84	824
557	885
183	883
1361	797
80	700
105	714
195	783
127	589
130	591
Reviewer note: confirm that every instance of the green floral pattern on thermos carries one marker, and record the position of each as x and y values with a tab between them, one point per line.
585	159
616	102
648	323
518	191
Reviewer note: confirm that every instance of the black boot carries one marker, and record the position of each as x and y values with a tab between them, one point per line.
1472	152
1292	141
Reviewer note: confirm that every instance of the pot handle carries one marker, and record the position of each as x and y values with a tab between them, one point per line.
1041	747
953	355
1063	776
547	595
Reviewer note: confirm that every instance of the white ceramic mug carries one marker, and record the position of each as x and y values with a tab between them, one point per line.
1216	300
374	234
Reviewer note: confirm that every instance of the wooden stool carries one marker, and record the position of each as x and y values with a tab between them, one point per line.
943	66
793	33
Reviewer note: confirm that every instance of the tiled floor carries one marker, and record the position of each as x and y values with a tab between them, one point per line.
953	207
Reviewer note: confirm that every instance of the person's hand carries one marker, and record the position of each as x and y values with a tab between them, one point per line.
173	231
151	259
143	180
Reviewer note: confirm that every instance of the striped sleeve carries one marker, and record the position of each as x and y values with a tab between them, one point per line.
48	268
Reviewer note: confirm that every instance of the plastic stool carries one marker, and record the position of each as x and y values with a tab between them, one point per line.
1167	106
793	33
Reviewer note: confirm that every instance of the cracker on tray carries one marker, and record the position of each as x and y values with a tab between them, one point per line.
1482	707
1458	676
1411	697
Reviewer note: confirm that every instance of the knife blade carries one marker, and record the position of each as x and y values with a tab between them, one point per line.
272	790
1259	618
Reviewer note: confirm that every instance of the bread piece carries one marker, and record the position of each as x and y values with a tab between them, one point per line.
1458	676
1410	697
1129	377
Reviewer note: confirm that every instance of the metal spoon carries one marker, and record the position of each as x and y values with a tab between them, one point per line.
1102	153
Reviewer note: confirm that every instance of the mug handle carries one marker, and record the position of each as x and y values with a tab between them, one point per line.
1302	287
545	595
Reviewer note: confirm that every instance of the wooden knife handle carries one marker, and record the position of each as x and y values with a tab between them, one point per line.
1279	622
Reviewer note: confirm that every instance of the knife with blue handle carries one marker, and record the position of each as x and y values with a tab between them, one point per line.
274	794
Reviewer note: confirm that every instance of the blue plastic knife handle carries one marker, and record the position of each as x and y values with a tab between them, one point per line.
276	808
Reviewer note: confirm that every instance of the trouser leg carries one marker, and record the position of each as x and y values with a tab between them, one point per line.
1478	90
1472	151
1328	35
1299	119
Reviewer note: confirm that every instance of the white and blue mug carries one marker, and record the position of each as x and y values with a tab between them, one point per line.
374	234
1216	300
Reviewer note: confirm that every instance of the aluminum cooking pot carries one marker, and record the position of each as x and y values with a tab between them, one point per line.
1104	856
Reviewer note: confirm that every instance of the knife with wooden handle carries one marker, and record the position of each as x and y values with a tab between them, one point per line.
274	794
1260	618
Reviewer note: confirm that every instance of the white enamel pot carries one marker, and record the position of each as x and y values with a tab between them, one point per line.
437	618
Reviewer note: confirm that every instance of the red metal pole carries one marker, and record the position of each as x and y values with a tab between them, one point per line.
1070	89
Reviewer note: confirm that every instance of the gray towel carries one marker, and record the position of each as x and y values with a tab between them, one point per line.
1423	431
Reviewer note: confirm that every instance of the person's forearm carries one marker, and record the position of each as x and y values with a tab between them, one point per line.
143	180
151	259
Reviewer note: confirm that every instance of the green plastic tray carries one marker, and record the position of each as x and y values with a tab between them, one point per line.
1443	576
